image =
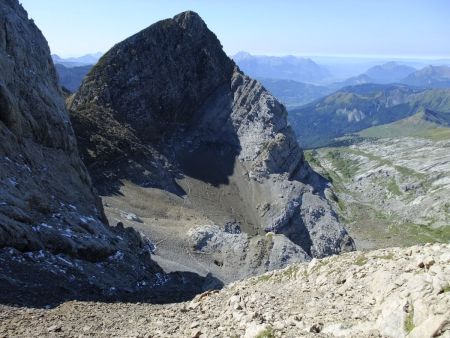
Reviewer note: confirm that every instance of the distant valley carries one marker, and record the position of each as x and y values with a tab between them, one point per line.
293	93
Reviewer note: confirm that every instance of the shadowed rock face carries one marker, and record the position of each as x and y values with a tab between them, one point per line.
41	173
167	107
54	239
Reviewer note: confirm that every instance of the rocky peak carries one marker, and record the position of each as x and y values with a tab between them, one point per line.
192	23
167	109
148	65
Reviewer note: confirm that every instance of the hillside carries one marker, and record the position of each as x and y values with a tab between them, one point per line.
391	191
384	293
355	108
71	78
426	123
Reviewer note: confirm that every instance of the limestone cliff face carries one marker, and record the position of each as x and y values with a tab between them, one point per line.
183	109
54	241
41	172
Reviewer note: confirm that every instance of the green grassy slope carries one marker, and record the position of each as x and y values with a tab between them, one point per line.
357	108
425	124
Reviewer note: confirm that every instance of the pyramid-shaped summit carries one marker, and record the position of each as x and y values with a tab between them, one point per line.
166	114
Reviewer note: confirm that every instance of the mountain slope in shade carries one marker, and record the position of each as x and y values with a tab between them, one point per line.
71	77
174	132
55	243
286	67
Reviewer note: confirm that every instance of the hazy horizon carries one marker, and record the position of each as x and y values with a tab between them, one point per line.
383	29
336	56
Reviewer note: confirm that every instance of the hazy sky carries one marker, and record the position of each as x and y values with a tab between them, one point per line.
408	28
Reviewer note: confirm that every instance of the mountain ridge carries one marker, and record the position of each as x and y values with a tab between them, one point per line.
196	126
84	60
430	77
286	67
355	108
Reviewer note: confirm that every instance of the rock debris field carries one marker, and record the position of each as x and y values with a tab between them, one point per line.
384	293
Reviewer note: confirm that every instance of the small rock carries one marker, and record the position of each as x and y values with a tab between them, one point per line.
254	330
431	327
316	328
428	262
279	325
196	334
133	217
237	306
340	280
194	325
238	315
54	328
234	299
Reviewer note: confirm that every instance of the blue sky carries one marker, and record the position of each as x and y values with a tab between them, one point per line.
401	28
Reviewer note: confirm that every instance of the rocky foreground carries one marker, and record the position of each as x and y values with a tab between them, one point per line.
385	293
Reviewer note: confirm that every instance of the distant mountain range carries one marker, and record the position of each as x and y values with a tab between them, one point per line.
286	67
353	109
289	78
430	77
88	59
390	72
293	93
